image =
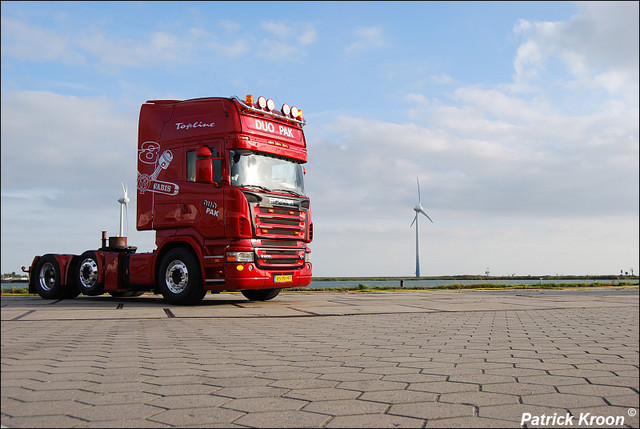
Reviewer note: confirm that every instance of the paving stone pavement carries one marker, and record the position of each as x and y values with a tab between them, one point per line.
388	359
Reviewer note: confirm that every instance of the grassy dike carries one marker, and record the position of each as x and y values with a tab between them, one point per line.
600	281
363	287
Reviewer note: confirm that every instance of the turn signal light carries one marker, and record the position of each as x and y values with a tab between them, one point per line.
239	256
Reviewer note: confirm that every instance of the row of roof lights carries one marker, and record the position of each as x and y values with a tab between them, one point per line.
268	105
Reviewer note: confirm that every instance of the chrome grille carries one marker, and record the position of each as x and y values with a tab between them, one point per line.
279	258
279	223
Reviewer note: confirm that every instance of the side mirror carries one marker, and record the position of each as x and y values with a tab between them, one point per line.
204	165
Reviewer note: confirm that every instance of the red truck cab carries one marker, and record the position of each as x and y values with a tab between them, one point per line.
221	181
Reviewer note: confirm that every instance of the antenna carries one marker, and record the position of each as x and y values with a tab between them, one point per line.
124	207
418	209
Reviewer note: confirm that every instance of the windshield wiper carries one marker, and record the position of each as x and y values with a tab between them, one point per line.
290	192
256	186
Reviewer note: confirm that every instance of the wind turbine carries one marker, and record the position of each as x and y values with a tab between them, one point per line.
124	201
418	209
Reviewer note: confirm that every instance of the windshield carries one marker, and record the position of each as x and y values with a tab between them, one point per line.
250	169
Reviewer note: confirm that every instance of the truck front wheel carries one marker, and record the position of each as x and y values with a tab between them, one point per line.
261	294
179	278
87	274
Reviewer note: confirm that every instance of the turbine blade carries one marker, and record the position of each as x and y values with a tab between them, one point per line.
414	220
418	180
423	212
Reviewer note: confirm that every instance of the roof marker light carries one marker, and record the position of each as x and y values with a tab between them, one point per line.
271	105
286	110
262	102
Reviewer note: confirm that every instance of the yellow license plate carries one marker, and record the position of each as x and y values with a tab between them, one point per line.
283	278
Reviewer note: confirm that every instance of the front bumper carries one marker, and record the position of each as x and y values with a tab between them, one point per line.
242	276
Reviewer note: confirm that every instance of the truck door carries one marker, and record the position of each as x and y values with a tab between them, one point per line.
162	184
202	193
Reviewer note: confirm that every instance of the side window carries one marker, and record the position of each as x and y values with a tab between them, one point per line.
191	166
212	165
217	166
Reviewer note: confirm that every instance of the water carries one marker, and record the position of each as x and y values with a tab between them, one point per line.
353	284
18	285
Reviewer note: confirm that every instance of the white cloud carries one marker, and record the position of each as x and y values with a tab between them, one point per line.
113	53
441	78
158	49
237	48
533	178
598	46
66	136
278	29
367	38
63	159
21	40
284	40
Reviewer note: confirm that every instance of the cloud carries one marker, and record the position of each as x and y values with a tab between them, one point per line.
112	53
532	176
284	41
598	46
66	137
483	149
23	41
367	38
159	48
63	159
505	191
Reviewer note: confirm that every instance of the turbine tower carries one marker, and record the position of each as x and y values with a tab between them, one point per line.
124	206
418	209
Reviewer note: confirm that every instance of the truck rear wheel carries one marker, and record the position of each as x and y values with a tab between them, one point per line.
47	281
261	294
87	273
180	279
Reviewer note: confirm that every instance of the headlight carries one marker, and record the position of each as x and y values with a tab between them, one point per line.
307	257
240	257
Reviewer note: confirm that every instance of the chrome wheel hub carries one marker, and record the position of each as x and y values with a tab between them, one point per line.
177	277
88	273
47	276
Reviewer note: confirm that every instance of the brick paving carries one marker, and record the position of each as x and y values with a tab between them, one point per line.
392	359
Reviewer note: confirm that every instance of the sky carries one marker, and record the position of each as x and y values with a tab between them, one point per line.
520	120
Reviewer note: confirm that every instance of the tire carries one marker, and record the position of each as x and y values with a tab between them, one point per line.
261	294
47	278
71	289
87	273
179	278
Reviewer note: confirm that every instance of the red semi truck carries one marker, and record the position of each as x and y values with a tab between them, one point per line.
221	182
